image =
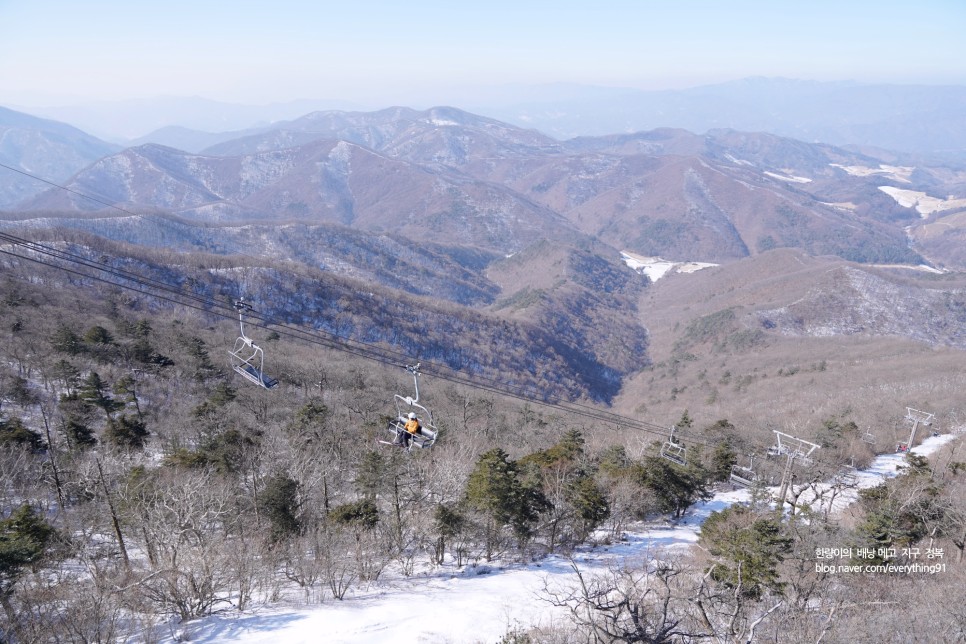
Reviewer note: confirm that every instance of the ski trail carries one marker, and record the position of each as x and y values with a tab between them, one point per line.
481	603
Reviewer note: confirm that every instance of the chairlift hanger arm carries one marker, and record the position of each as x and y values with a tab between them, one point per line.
414	370
243	307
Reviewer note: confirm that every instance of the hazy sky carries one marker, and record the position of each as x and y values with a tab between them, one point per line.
54	52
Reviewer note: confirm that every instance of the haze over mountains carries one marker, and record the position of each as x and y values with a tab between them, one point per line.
49	149
512	226
912	118
922	119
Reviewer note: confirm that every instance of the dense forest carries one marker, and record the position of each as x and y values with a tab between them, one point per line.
144	482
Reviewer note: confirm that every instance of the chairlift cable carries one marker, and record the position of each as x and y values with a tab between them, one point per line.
70	190
381	355
384	356
206	305
367	351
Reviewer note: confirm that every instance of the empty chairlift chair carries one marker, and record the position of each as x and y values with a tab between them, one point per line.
743	476
777	450
247	358
849	477
673	450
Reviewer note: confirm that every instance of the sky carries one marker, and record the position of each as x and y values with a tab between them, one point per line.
57	52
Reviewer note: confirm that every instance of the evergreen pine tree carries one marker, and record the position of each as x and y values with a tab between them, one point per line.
748	547
589	504
79	435
14	432
495	490
128	432
24	538
279	503
94	391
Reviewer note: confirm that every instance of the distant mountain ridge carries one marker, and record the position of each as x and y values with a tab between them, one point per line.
447	176
922	119
44	148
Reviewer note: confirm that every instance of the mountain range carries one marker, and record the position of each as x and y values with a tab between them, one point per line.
47	149
501	227
925	120
447	176
921	119
605	327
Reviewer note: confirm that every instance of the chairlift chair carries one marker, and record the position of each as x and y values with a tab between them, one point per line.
868	437
850	476
673	450
247	358
804	459
426	436
743	476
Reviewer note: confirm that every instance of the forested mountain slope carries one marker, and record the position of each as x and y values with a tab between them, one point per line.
135	459
784	339
568	359
52	150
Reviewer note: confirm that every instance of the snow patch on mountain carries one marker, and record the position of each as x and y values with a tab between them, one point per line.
845	206
924	204
897	173
655	267
787	177
738	161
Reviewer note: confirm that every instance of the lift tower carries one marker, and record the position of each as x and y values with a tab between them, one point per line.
792	449
917	417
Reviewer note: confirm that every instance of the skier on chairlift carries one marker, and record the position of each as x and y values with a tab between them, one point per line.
412	427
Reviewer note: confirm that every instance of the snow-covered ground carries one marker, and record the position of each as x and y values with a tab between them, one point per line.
924	268
787	177
897	173
923	203
476	604
655	267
